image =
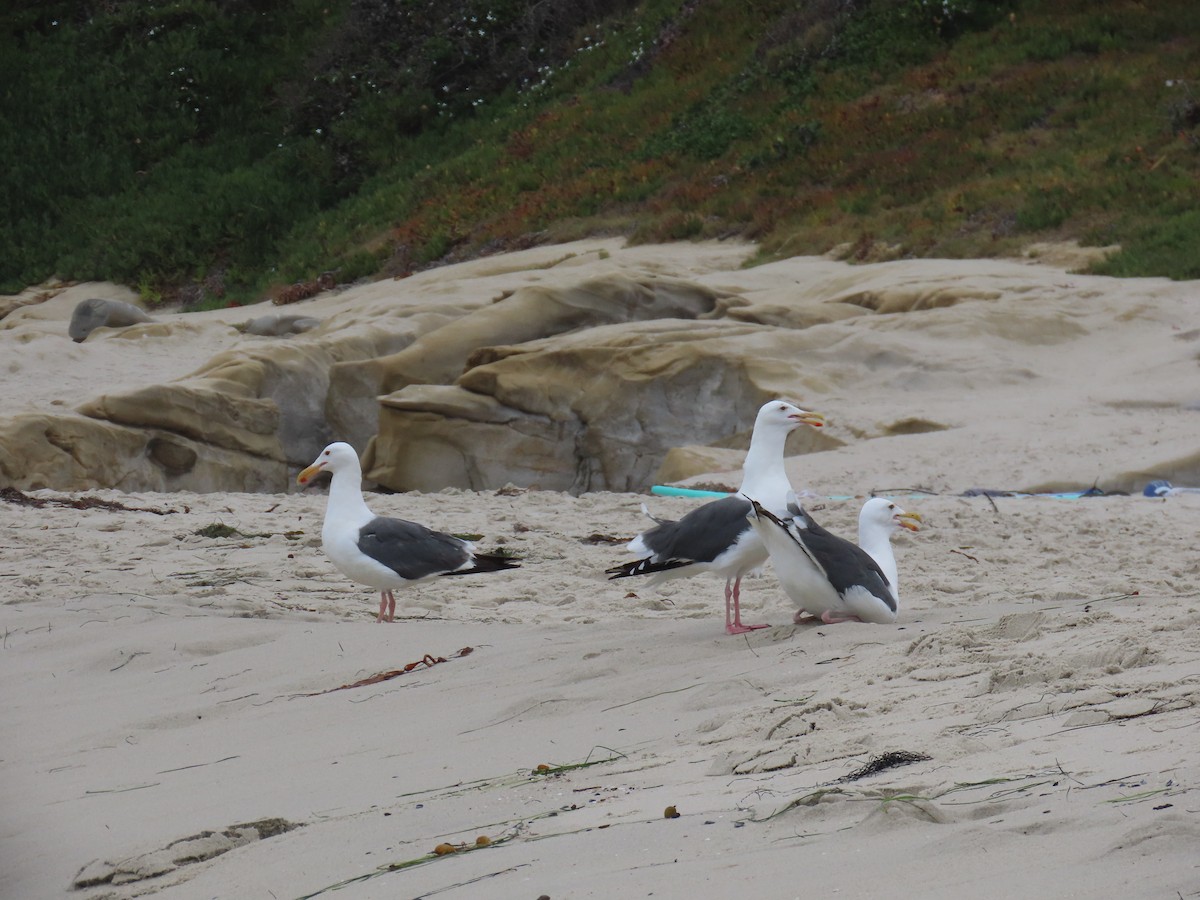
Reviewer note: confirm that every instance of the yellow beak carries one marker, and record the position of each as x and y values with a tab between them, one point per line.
909	520
308	474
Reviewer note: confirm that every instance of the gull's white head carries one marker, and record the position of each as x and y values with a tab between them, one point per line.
337	456
785	415
883	513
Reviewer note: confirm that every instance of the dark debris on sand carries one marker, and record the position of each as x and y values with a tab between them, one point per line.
884	761
12	495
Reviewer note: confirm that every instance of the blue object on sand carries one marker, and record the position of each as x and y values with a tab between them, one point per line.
664	490
1056	495
1153	489
1166	489
1157	489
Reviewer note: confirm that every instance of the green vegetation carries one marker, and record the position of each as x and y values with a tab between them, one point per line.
210	151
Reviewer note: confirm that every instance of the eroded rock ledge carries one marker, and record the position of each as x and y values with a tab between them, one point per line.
599	367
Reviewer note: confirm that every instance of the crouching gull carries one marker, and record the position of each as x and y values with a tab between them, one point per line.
717	537
828	576
382	552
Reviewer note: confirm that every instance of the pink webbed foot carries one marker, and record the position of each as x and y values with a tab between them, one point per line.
733	624
829	618
739	628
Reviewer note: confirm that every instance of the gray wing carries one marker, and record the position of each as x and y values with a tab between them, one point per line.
846	564
410	550
703	534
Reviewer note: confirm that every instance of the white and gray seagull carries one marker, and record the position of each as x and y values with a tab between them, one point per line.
382	552
717	537
829	577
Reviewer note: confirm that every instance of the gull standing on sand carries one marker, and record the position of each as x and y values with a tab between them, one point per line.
382	552
828	576
717	537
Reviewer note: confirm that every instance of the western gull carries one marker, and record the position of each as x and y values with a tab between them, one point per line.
379	551
717	537
828	576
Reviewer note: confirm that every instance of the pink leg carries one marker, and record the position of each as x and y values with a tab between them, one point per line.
830	619
735	626
382	605
391	606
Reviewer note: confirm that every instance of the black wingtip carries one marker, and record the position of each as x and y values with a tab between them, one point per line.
645	566
494	562
488	563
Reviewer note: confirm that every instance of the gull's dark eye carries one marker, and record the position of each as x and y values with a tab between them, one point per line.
891	506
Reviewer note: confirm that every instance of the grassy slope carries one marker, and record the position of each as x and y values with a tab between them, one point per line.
885	124
1056	122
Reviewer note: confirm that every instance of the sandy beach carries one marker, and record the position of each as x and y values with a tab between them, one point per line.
200	712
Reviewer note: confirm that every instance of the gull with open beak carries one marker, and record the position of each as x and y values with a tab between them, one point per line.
716	537
829	577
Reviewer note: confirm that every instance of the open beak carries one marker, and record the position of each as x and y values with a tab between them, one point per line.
816	420
909	520
308	474
755	511
760	513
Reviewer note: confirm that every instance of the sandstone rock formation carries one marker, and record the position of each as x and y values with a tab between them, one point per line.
596	409
528	314
601	367
241	422
279	325
256	409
